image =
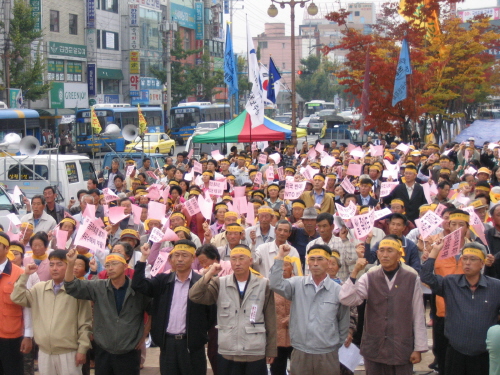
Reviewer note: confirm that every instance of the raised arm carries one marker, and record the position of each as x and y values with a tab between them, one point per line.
284	287
206	290
21	295
148	287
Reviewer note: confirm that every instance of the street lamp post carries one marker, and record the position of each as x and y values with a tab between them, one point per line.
312	9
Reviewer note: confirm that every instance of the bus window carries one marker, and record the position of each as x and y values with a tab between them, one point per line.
26	174
87	170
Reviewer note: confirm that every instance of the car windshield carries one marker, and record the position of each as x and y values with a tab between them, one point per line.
326	112
207	125
148	138
282	118
305	120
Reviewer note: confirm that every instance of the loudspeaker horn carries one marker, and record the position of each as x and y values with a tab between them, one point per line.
130	132
111	131
11	142
29	146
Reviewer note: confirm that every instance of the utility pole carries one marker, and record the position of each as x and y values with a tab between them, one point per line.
168	65
6	53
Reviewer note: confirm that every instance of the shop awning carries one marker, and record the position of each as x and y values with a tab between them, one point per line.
18	113
109	73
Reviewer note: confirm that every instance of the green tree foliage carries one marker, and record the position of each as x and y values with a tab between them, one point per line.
210	79
317	80
26	69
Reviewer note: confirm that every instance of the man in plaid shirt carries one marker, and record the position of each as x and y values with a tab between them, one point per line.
289	156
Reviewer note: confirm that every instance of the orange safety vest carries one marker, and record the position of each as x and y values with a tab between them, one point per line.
11	321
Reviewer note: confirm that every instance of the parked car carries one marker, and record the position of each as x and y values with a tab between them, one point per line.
284	119
158	143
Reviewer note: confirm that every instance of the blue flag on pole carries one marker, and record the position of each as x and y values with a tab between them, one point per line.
404	69
230	71
274	77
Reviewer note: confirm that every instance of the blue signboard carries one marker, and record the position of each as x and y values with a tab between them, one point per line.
91	14
148	83
199	21
91	79
142	99
184	16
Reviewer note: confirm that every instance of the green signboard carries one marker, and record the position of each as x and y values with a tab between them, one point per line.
68	50
12	98
36	13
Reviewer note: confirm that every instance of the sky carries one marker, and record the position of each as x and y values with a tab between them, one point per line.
256	13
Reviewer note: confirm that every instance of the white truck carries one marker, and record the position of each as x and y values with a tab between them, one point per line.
66	173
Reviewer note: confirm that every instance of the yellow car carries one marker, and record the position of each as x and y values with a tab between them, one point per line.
158	143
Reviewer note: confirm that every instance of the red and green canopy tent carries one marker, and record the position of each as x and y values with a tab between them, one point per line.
239	130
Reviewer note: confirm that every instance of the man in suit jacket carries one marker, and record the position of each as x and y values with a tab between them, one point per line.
364	198
375	172
174	317
410	192
318	195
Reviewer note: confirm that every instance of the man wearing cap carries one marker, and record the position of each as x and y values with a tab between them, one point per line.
246	315
364	198
472	306
64	341
118	315
179	326
301	236
394	333
410	192
318	323
318	195
263	256
262	232
132	237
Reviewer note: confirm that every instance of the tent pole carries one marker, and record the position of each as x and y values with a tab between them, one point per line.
225	145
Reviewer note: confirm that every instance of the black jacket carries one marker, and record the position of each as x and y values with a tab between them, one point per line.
199	318
372	202
417	199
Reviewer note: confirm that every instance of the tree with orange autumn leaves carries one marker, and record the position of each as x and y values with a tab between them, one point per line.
452	71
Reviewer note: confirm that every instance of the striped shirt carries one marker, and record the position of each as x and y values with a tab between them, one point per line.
469	314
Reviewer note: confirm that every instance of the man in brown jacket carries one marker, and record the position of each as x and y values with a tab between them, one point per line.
246	316
318	195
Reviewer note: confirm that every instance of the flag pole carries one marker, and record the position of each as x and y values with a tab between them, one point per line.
229	101
248	63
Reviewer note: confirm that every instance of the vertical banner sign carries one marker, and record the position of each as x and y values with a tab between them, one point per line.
135	82
36	13
199	20
134	14
134	38
91	14
226	6
91	79
134	62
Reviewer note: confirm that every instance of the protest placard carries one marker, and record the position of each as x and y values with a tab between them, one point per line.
117	214
91	236
192	206
348	212
451	246
165	193
403	147
130	169
357	153
197	167
205	207
258	179
159	263
350	147
281	174
382	213
61	238
319	147
14	219
354	169
270	174
293	189
250	214
262	159
170	235
156	210
327	161
311	154
240	205
363	224
217	155
276	157
348	186
153	193
428	223
89	211
136	214
386	188
216	187
109	195
376	150
152	175
427	192
439	209
156	235
309	172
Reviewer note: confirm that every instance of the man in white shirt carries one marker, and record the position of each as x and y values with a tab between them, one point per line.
262	232
41	220
264	254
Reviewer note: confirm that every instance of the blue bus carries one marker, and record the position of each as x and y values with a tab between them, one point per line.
20	121
185	117
119	114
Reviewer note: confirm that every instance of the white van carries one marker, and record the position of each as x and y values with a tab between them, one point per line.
67	173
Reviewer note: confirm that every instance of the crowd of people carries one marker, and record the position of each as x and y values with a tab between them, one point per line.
304	250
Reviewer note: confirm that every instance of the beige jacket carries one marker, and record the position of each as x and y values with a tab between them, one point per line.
239	336
61	323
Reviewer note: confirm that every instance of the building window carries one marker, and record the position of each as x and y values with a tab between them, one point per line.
109	40
74	71
356	13
187	40
109	5
283	45
55	70
262	45
284	66
54	21
73	24
109	86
